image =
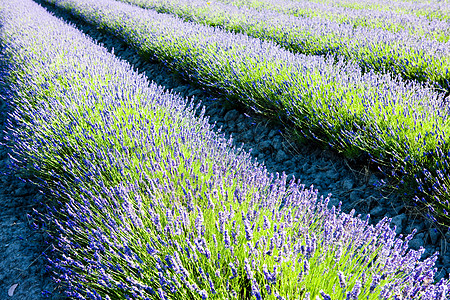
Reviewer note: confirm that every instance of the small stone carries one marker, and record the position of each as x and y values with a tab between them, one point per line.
231	115
355	196
255	152
378	211
21	192
418	241
372	180
260	130
347	184
305	167
272	133
241	126
332	175
428	251
398	221
399	208
247	136
446	259
311	170
277	142
447	235
434	235
259	137
281	156
265	145
289	165
39	197
191	93
333	202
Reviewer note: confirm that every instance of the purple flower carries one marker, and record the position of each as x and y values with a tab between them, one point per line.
353	295
203	294
325	296
266	223
233	271
161	294
248	230
255	289
248	269
270	277
375	281
226	239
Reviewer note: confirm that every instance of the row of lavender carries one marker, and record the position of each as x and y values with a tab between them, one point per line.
409	54
435	9
403	126
147	202
357	15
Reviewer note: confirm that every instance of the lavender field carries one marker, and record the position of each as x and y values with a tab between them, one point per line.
147	201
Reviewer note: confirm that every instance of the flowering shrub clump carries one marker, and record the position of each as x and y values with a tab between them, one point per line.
402	126
149	203
418	56
419	18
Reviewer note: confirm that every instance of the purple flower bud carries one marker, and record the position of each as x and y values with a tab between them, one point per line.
266	223
255	289
306	266
233	270
325	296
226	239
375	281
162	294
215	240
248	269
211	284
203	294
353	295
248	230
279	297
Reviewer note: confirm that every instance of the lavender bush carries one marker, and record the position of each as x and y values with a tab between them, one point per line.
149	203
401	125
429	9
407	53
358	15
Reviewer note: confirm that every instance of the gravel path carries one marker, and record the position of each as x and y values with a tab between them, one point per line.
349	183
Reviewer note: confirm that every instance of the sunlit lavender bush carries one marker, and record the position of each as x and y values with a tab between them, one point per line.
399	125
374	14
410	54
148	203
430	9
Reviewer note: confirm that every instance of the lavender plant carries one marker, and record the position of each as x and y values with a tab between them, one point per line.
358	15
410	54
149	203
430	9
400	125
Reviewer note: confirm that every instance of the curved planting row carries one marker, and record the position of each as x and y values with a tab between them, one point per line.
430	9
408	54
371	16
147	202
402	126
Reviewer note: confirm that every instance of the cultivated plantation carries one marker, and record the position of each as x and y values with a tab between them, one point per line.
145	200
